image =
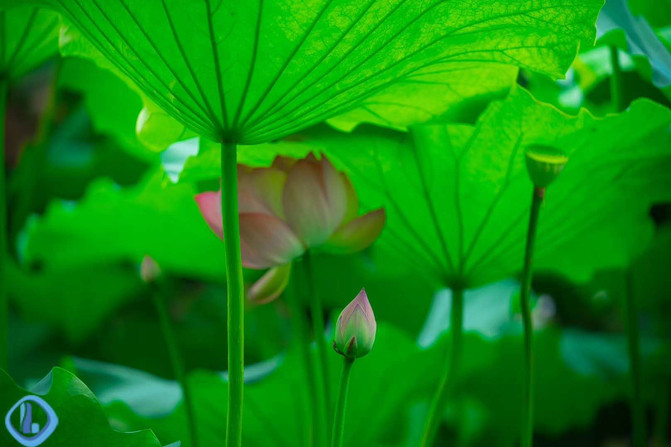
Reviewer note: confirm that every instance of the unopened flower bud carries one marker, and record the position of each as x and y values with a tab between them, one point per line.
544	163
149	270
355	330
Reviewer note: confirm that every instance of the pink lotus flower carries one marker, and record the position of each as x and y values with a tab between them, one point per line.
288	208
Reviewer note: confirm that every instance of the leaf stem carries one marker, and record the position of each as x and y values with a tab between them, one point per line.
319	331
235	289
633	346
301	331
175	359
616	97
4	249
662	415
451	369
339	421
527	275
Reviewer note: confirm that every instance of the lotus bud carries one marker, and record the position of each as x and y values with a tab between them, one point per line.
544	163
355	330
149	270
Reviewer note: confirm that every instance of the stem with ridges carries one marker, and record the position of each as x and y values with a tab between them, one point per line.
175	360
301	331
339	420
616	98
451	370
633	346
318	329
4	249
527	275
235	289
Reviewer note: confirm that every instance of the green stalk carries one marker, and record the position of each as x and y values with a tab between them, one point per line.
631	316
528	391
339	421
616	81
451	370
4	249
235	289
301	330
633	346
175	360
318	329
662	415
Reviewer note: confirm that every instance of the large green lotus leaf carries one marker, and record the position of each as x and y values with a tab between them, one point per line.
28	37
253	71
458	196
81	421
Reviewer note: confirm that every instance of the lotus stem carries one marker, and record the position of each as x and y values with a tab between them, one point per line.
527	275
662	415
175	360
301	331
616	97
451	369
633	346
339	421
235	289
318	329
4	249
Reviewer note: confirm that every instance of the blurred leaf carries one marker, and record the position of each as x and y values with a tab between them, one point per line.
206	165
658	13
457	199
112	224
74	299
112	106
81	421
576	374
253	72
386	385
640	39
28	37
275	401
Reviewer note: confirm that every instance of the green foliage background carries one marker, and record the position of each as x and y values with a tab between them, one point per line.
427	106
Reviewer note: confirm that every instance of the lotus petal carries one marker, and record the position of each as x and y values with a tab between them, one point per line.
260	190
209	204
306	206
267	241
270	285
356	234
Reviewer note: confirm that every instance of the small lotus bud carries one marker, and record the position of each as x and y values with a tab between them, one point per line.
149	270
355	330
544	163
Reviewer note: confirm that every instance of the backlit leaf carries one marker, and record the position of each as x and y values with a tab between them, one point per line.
458	196
253	71
28	36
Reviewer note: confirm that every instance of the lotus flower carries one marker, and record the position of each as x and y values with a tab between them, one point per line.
356	327
288	208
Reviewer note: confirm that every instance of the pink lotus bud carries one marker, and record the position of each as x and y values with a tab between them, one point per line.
149	270
355	330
